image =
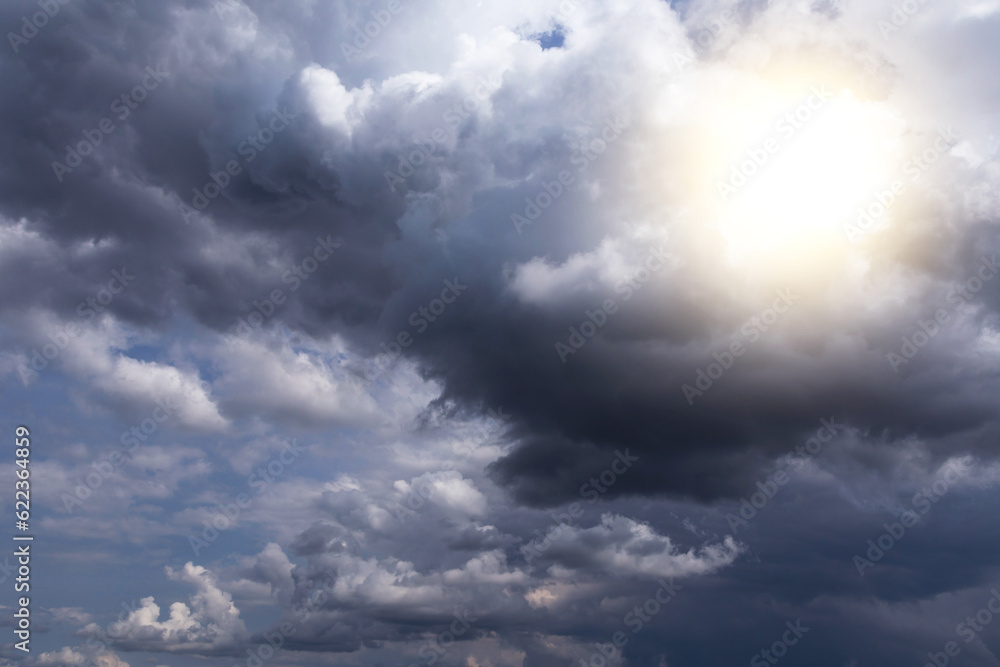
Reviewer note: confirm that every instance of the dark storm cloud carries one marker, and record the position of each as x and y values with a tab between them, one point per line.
123	196
492	348
492	201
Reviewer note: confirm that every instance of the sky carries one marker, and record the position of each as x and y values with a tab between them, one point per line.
543	333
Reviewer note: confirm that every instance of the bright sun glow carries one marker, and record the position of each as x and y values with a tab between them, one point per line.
783	170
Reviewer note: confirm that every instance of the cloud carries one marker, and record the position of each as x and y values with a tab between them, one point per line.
446	489
208	624
623	547
266	577
70	657
292	385
150	381
422	154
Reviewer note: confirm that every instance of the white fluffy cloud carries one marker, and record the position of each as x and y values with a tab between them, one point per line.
620	546
72	657
208	623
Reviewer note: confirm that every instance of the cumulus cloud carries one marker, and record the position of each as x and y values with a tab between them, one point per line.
70	657
562	161
208	624
621	546
291	385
